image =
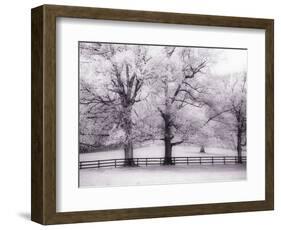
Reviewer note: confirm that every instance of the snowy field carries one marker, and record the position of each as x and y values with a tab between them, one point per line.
157	150
103	177
154	175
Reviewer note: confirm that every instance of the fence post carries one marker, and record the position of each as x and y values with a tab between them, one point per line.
98	163
224	160
146	162
187	160
115	163
200	160
212	160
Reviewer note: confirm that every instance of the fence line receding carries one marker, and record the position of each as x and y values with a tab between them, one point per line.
152	161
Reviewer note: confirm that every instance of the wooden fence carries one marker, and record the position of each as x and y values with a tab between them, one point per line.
152	161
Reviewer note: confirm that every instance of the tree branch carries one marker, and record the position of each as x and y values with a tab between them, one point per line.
218	114
177	143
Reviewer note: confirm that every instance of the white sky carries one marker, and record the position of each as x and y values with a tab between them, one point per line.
229	61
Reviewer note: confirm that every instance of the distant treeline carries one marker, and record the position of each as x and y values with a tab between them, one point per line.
87	148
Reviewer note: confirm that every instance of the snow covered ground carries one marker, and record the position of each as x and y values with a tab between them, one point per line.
157	150
154	175
103	177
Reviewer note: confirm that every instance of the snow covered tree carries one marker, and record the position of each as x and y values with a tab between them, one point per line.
119	76
228	109
179	87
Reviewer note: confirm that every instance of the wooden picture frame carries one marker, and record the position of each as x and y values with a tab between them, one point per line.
43	160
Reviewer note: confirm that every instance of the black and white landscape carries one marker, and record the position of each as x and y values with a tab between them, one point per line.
155	114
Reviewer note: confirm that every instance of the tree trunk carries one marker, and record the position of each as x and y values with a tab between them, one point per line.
129	154
128	144
239	146
167	123
202	149
168	141
168	152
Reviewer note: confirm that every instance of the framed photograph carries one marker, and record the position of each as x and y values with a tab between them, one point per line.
140	114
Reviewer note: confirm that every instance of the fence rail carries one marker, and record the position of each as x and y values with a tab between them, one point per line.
152	161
